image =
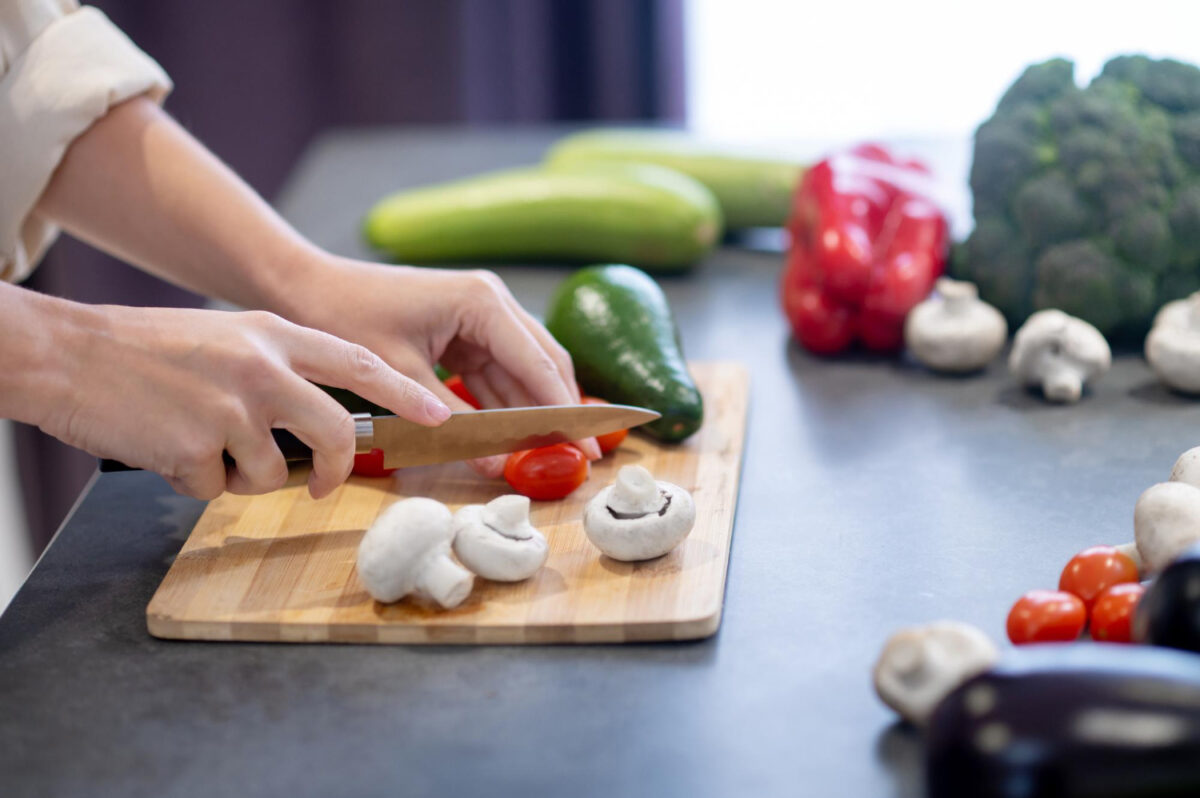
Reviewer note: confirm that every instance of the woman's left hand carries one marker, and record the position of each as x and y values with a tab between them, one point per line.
467	321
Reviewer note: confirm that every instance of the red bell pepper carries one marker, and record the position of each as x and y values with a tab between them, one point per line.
868	242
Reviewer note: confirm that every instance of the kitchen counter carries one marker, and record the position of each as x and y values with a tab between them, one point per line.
874	495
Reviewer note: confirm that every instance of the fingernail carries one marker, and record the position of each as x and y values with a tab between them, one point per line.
436	409
592	449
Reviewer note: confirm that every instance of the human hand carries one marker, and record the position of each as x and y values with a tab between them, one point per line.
466	320
171	390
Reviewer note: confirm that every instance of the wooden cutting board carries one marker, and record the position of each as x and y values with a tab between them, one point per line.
280	567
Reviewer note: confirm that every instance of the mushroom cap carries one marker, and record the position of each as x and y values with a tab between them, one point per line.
643	538
398	544
921	665
1173	345
1187	468
953	330
1166	520
1052	349
503	554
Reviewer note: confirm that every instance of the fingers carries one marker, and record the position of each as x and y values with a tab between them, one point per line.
490	467
258	467
556	351
326	427
329	360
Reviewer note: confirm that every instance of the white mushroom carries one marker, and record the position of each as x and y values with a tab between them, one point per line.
921	665
407	551
638	518
1166	519
496	540
954	330
1060	353
1173	345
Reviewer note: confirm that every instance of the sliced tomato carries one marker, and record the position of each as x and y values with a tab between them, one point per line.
459	388
548	473
1096	569
1113	611
370	464
1046	616
609	440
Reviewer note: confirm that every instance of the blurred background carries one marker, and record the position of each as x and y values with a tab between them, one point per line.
257	81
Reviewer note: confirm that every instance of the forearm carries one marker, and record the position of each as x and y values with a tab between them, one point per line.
38	335
137	185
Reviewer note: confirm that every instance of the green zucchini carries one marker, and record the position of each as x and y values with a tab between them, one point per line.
654	217
753	190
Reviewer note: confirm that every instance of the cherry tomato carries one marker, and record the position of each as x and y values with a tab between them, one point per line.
1094	570
1113	610
609	440
550	472
370	464
1044	616
459	388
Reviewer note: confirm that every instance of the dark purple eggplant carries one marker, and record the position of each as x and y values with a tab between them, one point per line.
1169	612
1071	720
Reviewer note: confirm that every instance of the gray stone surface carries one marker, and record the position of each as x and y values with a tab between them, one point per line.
874	494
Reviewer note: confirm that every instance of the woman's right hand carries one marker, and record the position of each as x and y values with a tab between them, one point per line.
170	390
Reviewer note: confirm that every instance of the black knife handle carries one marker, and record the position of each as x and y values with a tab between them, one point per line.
294	451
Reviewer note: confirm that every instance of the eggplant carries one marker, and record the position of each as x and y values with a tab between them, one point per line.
1169	611
1074	720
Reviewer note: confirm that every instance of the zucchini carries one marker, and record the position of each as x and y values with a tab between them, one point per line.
754	190
654	217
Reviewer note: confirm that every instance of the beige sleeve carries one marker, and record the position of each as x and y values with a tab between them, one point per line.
61	68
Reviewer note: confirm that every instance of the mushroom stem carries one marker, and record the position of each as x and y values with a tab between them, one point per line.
635	492
444	581
1063	385
959	296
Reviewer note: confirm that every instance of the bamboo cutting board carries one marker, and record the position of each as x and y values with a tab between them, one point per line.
280	567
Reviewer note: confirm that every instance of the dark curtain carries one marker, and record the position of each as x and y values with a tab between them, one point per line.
255	80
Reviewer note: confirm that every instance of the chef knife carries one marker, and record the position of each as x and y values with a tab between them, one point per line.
466	435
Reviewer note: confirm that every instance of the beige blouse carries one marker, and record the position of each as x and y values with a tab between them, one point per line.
61	68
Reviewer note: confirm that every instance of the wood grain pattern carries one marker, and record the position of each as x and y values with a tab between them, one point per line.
280	567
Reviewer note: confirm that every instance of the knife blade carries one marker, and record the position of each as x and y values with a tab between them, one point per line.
466	435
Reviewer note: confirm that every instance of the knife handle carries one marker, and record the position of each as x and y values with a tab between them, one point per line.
293	449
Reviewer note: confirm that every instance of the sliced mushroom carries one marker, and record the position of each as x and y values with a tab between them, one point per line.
1173	345
496	540
407	552
1059	353
954	330
637	517
921	665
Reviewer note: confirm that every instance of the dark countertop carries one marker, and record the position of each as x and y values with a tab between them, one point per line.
874	495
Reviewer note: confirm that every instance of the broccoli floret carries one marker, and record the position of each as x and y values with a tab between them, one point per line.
1088	198
1082	279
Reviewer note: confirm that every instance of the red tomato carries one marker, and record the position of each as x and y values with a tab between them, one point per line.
1045	616
609	440
370	464
459	388
550	472
1094	570
1113	610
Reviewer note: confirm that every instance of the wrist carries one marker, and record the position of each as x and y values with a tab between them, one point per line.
41	336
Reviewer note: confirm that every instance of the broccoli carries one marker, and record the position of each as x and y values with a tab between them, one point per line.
1087	199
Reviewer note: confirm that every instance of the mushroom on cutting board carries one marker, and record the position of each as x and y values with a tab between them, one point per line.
1166	518
496	540
1173	345
407	551
954	330
637	517
921	665
1060	354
